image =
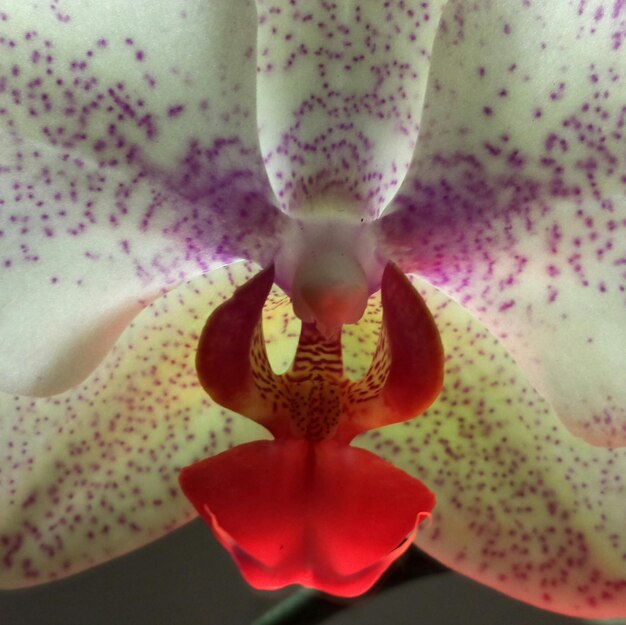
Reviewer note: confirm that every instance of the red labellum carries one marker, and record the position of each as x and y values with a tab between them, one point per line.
317	514
306	508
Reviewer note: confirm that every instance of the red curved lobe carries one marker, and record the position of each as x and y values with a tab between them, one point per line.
317	514
231	359
417	358
406	374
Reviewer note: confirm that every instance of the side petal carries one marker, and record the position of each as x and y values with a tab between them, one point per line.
406	372
341	88
515	205
522	505
91	474
129	162
232	362
320	515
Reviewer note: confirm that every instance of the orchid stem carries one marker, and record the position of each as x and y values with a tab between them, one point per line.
309	607
291	609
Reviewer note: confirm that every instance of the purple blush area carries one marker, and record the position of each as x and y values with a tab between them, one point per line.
84	139
514	203
126	166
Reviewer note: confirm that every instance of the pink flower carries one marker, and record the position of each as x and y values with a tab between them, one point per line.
148	146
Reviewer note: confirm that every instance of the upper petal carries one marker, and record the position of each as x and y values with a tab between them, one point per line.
341	87
515	205
522	505
129	161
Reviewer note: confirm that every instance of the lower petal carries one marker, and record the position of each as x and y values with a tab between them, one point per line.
522	505
91	474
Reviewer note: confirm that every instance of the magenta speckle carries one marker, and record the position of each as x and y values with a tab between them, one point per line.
175	111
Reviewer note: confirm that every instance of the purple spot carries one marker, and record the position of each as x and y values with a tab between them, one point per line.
175	111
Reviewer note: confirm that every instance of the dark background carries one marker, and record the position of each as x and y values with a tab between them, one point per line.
187	579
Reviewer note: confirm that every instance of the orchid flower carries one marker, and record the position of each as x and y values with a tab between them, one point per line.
156	156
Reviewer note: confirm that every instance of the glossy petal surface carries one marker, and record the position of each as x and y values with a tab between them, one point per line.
341	87
317	514
515	203
129	162
92	473
522	505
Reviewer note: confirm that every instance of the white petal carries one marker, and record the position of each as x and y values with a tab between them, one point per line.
341	88
514	204
92	473
522	505
129	161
